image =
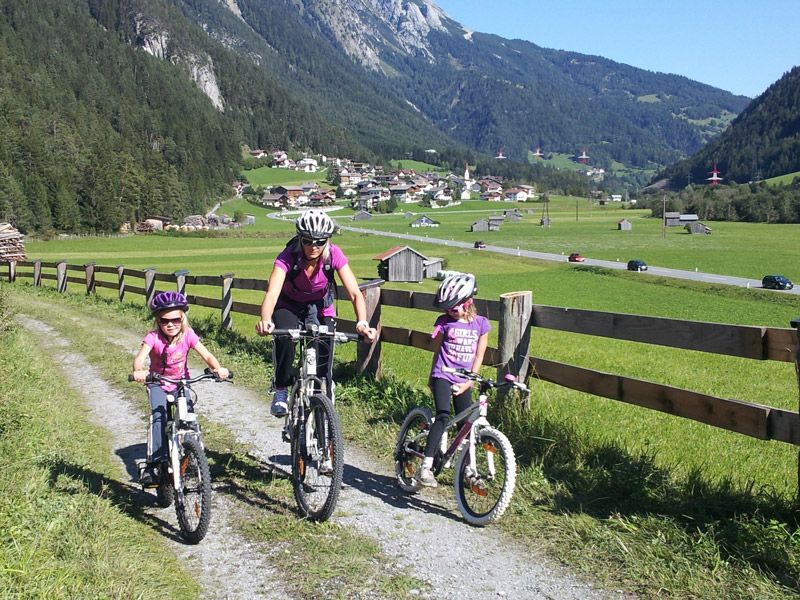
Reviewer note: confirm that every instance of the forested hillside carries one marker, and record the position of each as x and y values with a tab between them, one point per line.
95	131
762	142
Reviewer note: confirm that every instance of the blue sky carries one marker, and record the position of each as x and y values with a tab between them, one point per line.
741	46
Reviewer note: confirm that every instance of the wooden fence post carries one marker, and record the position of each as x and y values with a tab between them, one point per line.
12	271
89	267
61	277
796	324
37	273
149	285
227	300
369	355
121	282
180	281
514	334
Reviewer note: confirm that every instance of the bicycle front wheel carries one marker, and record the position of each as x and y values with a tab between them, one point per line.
483	491
408	452
318	459
193	505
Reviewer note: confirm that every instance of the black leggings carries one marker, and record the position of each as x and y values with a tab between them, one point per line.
300	316
442	393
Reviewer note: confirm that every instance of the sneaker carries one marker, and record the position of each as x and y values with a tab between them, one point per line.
149	476
425	478
280	406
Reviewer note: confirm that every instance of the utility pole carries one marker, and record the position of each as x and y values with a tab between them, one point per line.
664	217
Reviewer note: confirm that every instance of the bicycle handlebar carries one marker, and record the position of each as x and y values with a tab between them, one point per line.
510	381
339	336
207	374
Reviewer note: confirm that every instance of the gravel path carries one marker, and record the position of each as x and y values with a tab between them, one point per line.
416	532
226	564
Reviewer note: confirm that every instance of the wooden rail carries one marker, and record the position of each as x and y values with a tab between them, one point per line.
516	315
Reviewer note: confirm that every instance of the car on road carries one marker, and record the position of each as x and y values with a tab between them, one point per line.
480	244
576	257
637	265
776	282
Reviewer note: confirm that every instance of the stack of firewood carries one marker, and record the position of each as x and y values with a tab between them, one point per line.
11	245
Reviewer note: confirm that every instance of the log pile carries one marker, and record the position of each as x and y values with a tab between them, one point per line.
11	245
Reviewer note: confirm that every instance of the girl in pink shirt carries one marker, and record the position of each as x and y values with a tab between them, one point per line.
168	347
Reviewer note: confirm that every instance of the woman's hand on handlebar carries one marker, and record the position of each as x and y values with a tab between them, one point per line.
460	388
140	376
265	327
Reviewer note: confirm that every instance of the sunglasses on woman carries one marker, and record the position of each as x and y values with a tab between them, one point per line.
312	242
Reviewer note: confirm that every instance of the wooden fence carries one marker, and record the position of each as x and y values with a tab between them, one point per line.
515	314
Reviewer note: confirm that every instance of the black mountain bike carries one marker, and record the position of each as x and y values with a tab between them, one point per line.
312	426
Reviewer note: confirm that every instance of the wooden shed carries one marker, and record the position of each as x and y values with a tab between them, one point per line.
698	227
624	225
401	263
362	215
432	266
672	219
481	225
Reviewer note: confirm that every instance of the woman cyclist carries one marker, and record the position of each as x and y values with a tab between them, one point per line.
300	292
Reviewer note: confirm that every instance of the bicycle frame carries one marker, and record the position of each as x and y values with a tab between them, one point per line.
177	431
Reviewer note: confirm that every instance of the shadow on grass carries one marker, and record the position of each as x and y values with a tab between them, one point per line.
750	525
130	499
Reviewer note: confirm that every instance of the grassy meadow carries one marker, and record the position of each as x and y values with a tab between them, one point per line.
619	491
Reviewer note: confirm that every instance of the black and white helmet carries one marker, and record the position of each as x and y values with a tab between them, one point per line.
315	224
455	290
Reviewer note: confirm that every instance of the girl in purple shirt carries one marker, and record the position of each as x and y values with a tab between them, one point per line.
299	294
461	336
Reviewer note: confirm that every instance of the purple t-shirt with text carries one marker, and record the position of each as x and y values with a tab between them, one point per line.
171	361
308	289
459	344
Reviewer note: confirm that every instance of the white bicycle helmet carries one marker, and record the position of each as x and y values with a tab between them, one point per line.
455	290
315	224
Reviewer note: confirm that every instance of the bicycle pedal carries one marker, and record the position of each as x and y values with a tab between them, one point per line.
286	435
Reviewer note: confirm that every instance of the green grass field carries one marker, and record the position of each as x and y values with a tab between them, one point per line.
265	176
418	166
598	472
783	179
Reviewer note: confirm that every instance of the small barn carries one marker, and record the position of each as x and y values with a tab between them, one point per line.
672	219
401	263
424	221
362	215
481	225
432	266
624	225
495	221
512	216
697	227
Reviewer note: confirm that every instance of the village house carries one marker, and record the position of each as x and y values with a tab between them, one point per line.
515	195
308	165
424	221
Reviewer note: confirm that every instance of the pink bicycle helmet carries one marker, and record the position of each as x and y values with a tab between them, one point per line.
315	224
455	290
164	301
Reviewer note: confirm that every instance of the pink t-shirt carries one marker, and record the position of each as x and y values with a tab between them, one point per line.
308	289
171	361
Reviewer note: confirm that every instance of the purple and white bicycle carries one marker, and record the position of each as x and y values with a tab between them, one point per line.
485	466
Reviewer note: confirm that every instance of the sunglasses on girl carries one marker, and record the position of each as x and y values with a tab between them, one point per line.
311	242
175	321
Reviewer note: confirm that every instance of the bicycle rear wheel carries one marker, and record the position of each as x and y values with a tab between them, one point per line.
194	509
410	447
318	459
483	495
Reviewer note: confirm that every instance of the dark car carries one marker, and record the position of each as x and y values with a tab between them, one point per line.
480	244
776	282
637	265
576	257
